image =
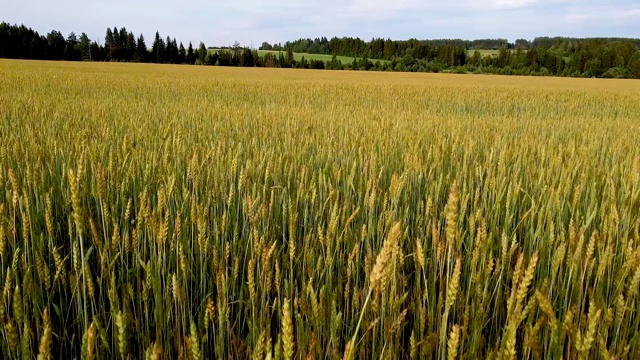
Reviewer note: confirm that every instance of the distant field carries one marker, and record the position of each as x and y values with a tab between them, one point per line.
251	213
307	56
298	56
486	52
483	52
349	59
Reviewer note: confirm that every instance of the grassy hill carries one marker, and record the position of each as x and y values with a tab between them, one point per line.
349	59
323	57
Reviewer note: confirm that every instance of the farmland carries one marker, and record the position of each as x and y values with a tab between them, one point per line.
167	211
298	57
345	60
348	60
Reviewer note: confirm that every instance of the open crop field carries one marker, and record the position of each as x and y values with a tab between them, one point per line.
186	212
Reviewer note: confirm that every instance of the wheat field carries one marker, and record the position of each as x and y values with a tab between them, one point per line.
184	212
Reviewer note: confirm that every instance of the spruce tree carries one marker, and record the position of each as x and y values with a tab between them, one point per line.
202	53
85	47
115	46
142	54
157	51
246	58
182	54
131	47
108	44
191	56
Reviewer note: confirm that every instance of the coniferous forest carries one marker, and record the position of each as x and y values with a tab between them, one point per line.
559	56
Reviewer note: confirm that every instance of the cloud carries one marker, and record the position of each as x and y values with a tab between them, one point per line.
513	4
615	15
254	21
627	15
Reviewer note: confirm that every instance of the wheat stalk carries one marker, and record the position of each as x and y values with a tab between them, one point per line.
287	330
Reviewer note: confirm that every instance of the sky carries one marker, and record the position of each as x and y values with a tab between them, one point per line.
250	22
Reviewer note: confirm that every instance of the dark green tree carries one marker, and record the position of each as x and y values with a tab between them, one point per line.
168	51
246	58
85	47
71	53
126	50
522	43
270	60
158	50
202	53
191	56
97	52
141	53
503	57
593	68
172	55
115	47
476	59
291	61
225	58
131	47
212	58
634	66
56	46
109	44
266	46
182	54
258	61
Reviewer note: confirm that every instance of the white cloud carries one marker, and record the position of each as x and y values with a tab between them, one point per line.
627	15
221	22
605	15
513	4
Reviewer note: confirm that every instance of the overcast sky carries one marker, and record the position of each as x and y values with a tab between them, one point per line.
254	21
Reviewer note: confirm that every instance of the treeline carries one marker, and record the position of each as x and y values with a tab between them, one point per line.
552	42
560	56
379	48
594	57
386	49
600	58
20	42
